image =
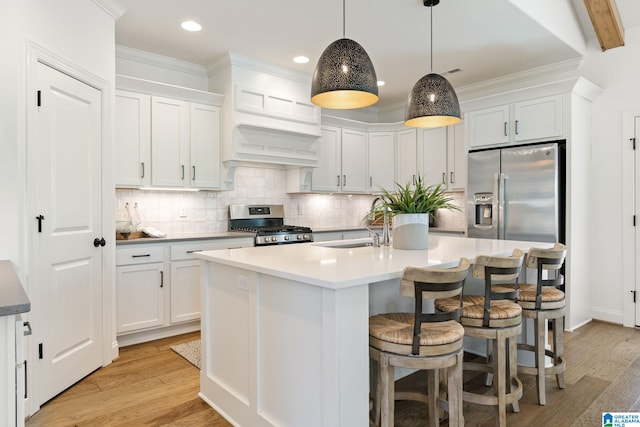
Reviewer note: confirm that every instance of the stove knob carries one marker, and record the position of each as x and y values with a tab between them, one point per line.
272	238
286	237
299	237
305	237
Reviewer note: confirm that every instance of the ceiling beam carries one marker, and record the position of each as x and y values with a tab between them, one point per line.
606	23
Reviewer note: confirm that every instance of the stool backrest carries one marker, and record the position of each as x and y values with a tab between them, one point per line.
433	283
550	260
497	268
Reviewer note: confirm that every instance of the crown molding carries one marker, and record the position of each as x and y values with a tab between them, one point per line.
235	59
112	7
154	59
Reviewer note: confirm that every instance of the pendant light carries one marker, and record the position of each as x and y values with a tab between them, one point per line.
432	101
344	76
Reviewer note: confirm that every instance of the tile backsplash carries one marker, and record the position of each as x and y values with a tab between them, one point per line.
177	212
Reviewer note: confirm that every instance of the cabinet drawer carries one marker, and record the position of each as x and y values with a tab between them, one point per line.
182	251
139	255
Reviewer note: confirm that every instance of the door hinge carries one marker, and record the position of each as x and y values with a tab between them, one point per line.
40	356
634	220
39	98
634	296
633	141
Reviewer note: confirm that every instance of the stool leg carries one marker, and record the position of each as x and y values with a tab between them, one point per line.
387	396
539	330
499	369
433	380
454	388
558	347
513	370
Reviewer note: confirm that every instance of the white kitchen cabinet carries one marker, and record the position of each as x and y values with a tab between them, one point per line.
382	155
456	158
434	156
140	288
170	142
407	156
534	119
204	146
133	139
343	166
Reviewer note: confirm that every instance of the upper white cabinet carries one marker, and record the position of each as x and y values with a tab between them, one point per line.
382	155
407	156
534	119
456	158
133	139
167	141
170	142
434	156
343	165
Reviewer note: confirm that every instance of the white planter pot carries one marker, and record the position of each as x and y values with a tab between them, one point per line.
410	231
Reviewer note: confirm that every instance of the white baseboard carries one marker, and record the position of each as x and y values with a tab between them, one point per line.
155	334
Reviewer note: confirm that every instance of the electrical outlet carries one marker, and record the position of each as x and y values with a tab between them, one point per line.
243	283
183	212
300	211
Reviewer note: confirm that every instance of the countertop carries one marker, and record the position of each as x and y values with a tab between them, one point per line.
13	298
236	234
336	268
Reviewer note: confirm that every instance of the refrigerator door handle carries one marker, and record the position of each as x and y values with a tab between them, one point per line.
502	207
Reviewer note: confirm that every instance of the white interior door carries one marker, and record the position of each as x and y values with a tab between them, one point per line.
67	287
636	181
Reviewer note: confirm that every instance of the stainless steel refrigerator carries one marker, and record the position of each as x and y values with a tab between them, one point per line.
517	193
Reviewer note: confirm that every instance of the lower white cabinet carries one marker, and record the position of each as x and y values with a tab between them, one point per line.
140	297
12	371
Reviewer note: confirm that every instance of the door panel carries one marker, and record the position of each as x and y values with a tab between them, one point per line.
68	273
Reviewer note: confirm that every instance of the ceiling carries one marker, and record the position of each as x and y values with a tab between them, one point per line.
485	39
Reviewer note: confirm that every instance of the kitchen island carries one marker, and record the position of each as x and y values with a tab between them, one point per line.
285	328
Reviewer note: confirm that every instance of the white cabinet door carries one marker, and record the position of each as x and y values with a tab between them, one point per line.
434	156
456	158
538	118
489	126
133	139
139	297
185	290
407	158
170	147
354	161
327	176
205	146
382	155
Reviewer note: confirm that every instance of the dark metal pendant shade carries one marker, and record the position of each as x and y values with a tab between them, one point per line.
344	77
432	103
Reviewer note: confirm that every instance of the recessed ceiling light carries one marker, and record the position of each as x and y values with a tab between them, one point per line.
380	83
301	59
191	26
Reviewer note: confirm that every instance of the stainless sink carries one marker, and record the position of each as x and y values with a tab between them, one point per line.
345	244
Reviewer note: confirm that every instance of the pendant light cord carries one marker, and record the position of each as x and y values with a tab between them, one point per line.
431	38
343	19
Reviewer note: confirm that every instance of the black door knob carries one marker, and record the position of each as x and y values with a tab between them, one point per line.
99	242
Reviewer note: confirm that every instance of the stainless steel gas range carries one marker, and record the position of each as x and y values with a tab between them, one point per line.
267	221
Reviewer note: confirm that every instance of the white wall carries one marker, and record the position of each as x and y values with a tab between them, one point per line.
78	31
616	71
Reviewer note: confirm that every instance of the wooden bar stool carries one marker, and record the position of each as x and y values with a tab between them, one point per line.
541	302
426	341
495	317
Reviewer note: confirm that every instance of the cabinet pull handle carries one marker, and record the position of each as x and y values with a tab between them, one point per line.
140	256
505	128
161	278
517	127
142	169
25	380
414	179
338	180
451	177
195	250
344	180
182	173
29	331
193	177
370	181
444	177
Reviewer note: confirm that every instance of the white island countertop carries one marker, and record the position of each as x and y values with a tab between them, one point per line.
336	268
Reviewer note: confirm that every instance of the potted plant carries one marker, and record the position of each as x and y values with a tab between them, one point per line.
411	205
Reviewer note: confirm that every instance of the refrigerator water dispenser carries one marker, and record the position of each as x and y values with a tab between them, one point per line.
484	208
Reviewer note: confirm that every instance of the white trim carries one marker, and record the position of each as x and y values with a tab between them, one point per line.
235	59
579	325
607	315
150	87
156	60
629	280
113	8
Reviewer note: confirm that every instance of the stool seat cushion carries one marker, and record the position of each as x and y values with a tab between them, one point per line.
393	333
552	297
503	313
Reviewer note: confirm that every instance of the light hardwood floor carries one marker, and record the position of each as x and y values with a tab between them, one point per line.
150	385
